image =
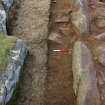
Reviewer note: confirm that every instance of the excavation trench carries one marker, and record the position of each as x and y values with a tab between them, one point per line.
59	78
39	85
47	76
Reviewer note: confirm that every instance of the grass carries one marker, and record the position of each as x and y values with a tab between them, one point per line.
6	43
13	100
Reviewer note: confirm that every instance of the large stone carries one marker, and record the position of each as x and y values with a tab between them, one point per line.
80	16
84	74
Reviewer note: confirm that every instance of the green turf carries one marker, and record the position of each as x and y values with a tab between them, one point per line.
6	43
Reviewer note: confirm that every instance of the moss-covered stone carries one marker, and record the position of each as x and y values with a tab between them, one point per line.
6	43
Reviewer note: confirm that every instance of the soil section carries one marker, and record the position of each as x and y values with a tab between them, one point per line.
59	78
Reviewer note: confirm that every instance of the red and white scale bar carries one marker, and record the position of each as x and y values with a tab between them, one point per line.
63	50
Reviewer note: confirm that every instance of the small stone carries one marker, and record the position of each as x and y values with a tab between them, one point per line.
102	96
63	17
54	1
100	23
84	74
65	31
55	37
101	78
100	15
101	36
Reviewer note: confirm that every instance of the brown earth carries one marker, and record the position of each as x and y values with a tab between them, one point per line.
59	78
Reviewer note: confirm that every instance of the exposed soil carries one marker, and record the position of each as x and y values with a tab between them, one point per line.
59	78
31	25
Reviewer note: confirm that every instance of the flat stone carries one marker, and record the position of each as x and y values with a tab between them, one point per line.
100	23
84	74
101	36
55	37
65	31
63	17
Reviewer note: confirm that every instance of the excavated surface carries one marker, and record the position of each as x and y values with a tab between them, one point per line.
54	86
